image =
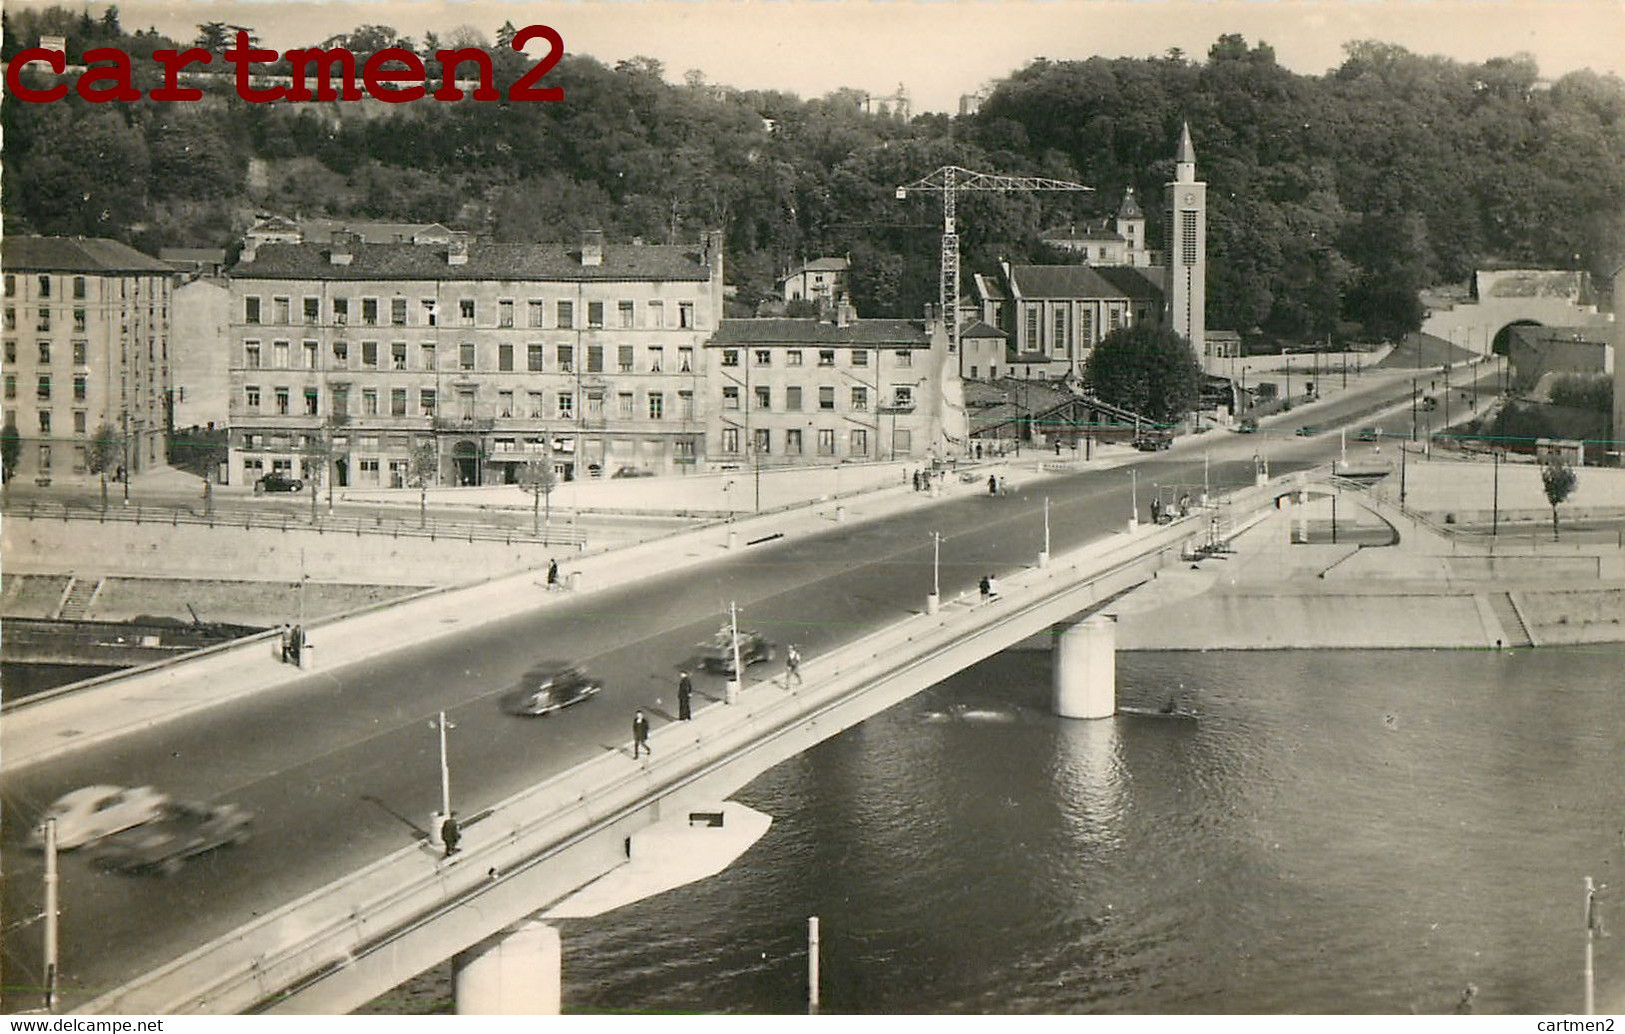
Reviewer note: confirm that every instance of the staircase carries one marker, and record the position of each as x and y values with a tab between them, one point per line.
1511	623
77	598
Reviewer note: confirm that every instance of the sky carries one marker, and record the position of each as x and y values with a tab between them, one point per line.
940	49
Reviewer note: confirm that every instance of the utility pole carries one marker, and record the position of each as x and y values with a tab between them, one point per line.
1495	496
1413	409
1402	453
1593	922
51	915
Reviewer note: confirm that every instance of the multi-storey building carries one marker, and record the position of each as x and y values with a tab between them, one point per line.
86	346
789	391
350	357
1119	241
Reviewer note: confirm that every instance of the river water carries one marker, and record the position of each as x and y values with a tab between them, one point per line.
1342	831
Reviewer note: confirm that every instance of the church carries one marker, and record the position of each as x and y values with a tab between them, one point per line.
1040	322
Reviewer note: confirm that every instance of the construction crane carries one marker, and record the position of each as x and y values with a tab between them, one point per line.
950	180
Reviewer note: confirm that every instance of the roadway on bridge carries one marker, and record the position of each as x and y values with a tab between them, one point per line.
341	767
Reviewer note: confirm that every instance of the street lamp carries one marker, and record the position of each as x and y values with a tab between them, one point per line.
933	601
1134	499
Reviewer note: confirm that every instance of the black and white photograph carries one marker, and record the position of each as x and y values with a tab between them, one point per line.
789	508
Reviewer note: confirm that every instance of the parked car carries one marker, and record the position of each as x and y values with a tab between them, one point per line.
183	830
716	653
276	481
1151	441
1307	431
1368	434
632	472
92	812
548	687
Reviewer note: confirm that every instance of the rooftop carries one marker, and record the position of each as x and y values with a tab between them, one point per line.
486	261
788	331
76	255
1087	282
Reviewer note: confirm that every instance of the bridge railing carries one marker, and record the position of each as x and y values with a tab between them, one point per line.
368	914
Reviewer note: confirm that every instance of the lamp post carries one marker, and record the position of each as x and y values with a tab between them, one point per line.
125	416
1413	409
1043	558
933	601
1446	397
1134	499
1495	492
50	915
1402	452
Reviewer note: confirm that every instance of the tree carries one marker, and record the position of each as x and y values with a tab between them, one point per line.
536	477
1559	479
105	451
423	470
11	449
1146	369
199	452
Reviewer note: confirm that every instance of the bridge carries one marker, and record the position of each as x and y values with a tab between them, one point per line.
336	902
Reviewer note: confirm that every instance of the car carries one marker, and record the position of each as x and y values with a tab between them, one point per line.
276	481
548	687
716	653
1247	426
632	472
92	812
1307	431
184	829
1151	441
1368	434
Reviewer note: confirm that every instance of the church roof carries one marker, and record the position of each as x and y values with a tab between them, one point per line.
1186	152
1130	208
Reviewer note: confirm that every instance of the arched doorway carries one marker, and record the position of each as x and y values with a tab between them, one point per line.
466	455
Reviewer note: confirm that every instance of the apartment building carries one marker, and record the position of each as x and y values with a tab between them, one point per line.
86	345
348	357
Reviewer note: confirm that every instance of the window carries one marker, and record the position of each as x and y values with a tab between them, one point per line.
685	315
1058	340
251	397
763	357
369	401
312	309
905	357
80	421
792	442
533	309
595	358
282	401
341	311
730	357
45	353
369	354
81	387
1086	327
860	357
465	356
657	358
505	312
826	441
11	285
280	314
657	314
309	348
792	357
1187	238
465	311
505	358
45	421
595	405
11	385
533	358
279	354
1032	328
902	396
45	285
11	318
312	402
685	360
43	390
341	354
79	348
427	356
730	439
685	405
595	315
566	405
397	402
623	405
79	288
537	408
397	355
826	398
792	399
764	397
431	312
45	458
1113	319
763	440
11	352
624	358
860	399
730	396
859	442
397	312
826	357
43	325
426	401
657	406
251	309
624	312
567	358
339	399
78	321
567	315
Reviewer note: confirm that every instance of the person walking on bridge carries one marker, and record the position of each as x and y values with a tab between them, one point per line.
685	693
640	736
792	665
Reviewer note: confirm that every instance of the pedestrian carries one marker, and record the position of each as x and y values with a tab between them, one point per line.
986	585
978	450
640	736
685	692
916	477
993	484
1156	511
450	834
552	574
992	587
1057	446
1185	505
792	665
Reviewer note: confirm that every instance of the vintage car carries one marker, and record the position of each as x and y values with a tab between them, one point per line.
716	654
92	812
548	687
276	481
1368	434
184	829
1248	425
1153	440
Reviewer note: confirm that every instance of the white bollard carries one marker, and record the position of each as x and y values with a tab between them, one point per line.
932	602
733	539
1084	664
730	691
1043	559
515	973
435	821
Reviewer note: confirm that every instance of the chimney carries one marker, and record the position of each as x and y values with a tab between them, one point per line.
342	250
251	245
711	251
457	248
844	313
592	247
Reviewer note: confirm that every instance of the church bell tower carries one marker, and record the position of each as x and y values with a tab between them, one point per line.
1187	248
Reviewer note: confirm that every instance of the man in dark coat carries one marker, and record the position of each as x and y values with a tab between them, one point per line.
450	834
552	574
685	692
640	736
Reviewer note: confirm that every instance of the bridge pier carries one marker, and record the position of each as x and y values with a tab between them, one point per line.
1085	668
515	973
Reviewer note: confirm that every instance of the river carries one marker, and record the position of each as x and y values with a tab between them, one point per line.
1335	831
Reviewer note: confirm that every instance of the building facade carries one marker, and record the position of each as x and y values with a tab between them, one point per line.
1119	241
86	346
351	358
1053	316
199	373
1186	255
823	280
808	391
